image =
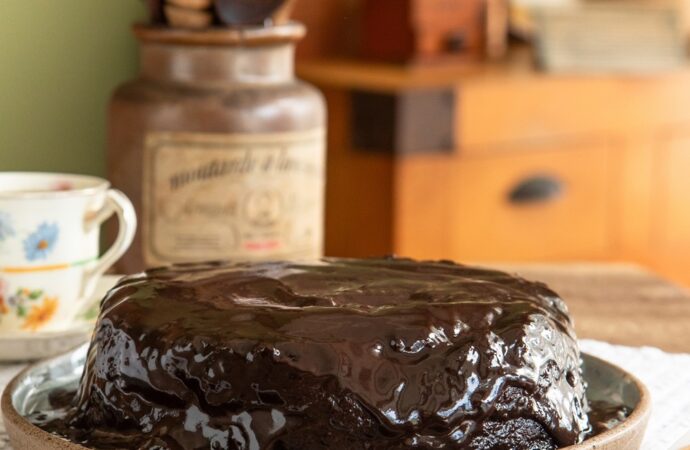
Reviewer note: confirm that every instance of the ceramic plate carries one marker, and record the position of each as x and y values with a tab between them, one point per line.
34	346
30	390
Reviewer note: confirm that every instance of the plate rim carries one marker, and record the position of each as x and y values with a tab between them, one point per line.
636	422
13	420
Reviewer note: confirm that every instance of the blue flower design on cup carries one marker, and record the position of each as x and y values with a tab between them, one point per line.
6	229
41	242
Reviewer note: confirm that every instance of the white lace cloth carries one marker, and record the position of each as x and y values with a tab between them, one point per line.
666	375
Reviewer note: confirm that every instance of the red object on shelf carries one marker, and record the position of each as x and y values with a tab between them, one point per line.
423	31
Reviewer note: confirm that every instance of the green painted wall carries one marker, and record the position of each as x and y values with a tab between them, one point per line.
59	62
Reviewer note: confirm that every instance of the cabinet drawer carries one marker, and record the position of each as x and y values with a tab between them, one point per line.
499	114
537	205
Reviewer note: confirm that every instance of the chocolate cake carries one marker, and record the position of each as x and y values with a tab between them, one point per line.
336	354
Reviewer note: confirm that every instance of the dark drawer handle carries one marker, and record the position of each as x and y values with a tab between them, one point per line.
536	189
456	42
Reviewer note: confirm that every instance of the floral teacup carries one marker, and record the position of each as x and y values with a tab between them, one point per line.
49	246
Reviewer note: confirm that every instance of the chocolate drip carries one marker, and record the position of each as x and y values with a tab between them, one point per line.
336	354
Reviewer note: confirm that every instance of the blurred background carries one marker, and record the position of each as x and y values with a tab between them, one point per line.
473	130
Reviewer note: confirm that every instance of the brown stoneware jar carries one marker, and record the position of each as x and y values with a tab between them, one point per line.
220	147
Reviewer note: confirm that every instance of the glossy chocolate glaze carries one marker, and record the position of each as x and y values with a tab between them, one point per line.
337	354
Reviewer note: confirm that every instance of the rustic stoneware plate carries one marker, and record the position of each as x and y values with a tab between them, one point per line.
35	346
29	392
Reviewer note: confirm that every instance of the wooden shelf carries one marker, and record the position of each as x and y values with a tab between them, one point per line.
518	65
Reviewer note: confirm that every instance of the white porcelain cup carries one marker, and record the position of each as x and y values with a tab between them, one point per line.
49	246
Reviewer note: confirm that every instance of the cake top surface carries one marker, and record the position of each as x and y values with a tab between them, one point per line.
192	295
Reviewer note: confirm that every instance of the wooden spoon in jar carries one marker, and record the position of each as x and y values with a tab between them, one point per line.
247	12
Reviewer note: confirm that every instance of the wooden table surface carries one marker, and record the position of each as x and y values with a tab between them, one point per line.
620	304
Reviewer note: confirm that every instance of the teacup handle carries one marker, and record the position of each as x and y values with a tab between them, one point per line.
115	203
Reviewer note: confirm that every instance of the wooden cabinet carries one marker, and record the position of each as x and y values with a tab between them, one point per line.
359	189
670	234
521	167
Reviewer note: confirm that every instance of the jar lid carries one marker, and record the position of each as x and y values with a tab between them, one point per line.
247	36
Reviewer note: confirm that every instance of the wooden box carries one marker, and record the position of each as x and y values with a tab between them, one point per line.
646	38
423	31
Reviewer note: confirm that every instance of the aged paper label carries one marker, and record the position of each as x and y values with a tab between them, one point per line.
237	197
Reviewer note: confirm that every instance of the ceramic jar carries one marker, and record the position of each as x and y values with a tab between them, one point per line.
220	147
